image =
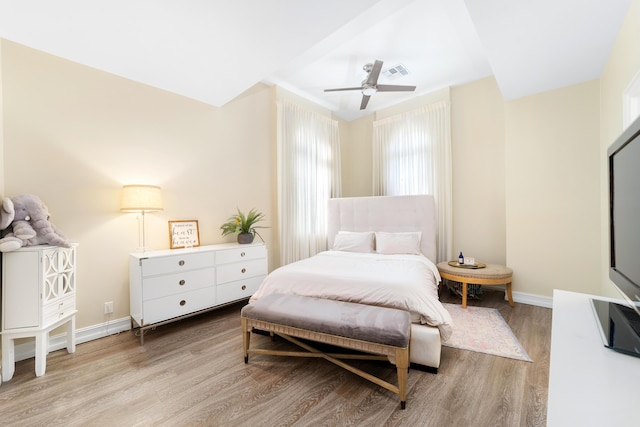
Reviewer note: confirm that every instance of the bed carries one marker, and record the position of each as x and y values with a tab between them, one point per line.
382	252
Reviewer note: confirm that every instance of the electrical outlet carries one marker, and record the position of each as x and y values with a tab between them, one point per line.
108	307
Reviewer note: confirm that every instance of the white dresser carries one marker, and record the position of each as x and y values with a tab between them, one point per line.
38	295
168	285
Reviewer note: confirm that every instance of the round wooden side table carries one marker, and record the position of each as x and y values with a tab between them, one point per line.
491	274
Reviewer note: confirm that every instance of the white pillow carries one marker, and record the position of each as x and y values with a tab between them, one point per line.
398	243
351	241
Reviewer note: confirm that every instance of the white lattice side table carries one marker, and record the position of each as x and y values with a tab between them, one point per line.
38	295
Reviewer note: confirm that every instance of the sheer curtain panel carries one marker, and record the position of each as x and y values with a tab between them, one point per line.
412	155
308	176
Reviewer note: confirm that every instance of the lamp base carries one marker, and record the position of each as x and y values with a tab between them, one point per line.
142	235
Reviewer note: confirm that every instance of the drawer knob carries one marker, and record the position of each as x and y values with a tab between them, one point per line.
183	302
181	282
244	287
244	270
242	254
181	262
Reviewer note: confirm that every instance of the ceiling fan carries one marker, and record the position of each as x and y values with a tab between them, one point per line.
370	84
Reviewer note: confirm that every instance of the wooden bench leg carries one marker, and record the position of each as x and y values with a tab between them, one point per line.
402	365
246	338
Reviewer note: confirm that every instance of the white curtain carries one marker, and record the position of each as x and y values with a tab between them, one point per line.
412	155
308	176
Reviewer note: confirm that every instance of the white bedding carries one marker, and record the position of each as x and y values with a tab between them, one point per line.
408	282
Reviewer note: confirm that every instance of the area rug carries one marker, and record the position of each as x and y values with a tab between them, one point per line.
483	330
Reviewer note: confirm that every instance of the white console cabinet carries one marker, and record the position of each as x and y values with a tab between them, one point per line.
589	385
168	285
38	295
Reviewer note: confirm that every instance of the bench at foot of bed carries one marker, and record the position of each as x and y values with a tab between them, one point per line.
382	332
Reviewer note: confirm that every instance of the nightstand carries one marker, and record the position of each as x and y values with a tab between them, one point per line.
491	274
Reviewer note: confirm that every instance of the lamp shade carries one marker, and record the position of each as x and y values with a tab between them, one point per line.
141	198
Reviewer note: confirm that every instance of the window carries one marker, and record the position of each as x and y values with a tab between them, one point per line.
631	101
308	175
412	155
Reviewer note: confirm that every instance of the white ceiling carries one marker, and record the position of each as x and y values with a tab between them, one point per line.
213	50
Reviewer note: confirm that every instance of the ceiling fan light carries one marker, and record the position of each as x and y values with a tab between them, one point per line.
368	91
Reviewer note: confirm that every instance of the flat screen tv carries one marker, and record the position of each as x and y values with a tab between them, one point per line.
621	324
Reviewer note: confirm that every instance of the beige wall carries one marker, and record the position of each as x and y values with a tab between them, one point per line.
553	190
355	144
74	135
478	153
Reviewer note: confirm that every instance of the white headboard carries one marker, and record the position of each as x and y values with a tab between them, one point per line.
386	213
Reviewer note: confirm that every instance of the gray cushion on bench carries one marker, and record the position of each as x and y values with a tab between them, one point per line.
369	323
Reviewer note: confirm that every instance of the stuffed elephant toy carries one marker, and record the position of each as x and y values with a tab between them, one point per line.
24	221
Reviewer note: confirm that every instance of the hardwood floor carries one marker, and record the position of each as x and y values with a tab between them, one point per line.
192	373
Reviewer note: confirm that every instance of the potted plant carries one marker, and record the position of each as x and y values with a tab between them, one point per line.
244	225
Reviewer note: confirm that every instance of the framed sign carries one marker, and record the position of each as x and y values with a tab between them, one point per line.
184	234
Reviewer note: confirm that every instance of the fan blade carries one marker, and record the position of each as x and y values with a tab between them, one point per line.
343	88
375	73
395	88
365	101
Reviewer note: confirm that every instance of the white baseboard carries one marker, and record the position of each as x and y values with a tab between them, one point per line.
532	299
27	350
524	298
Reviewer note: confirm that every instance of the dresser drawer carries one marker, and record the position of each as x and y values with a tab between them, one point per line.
240	270
59	309
171	284
238	290
241	253
175	263
160	309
